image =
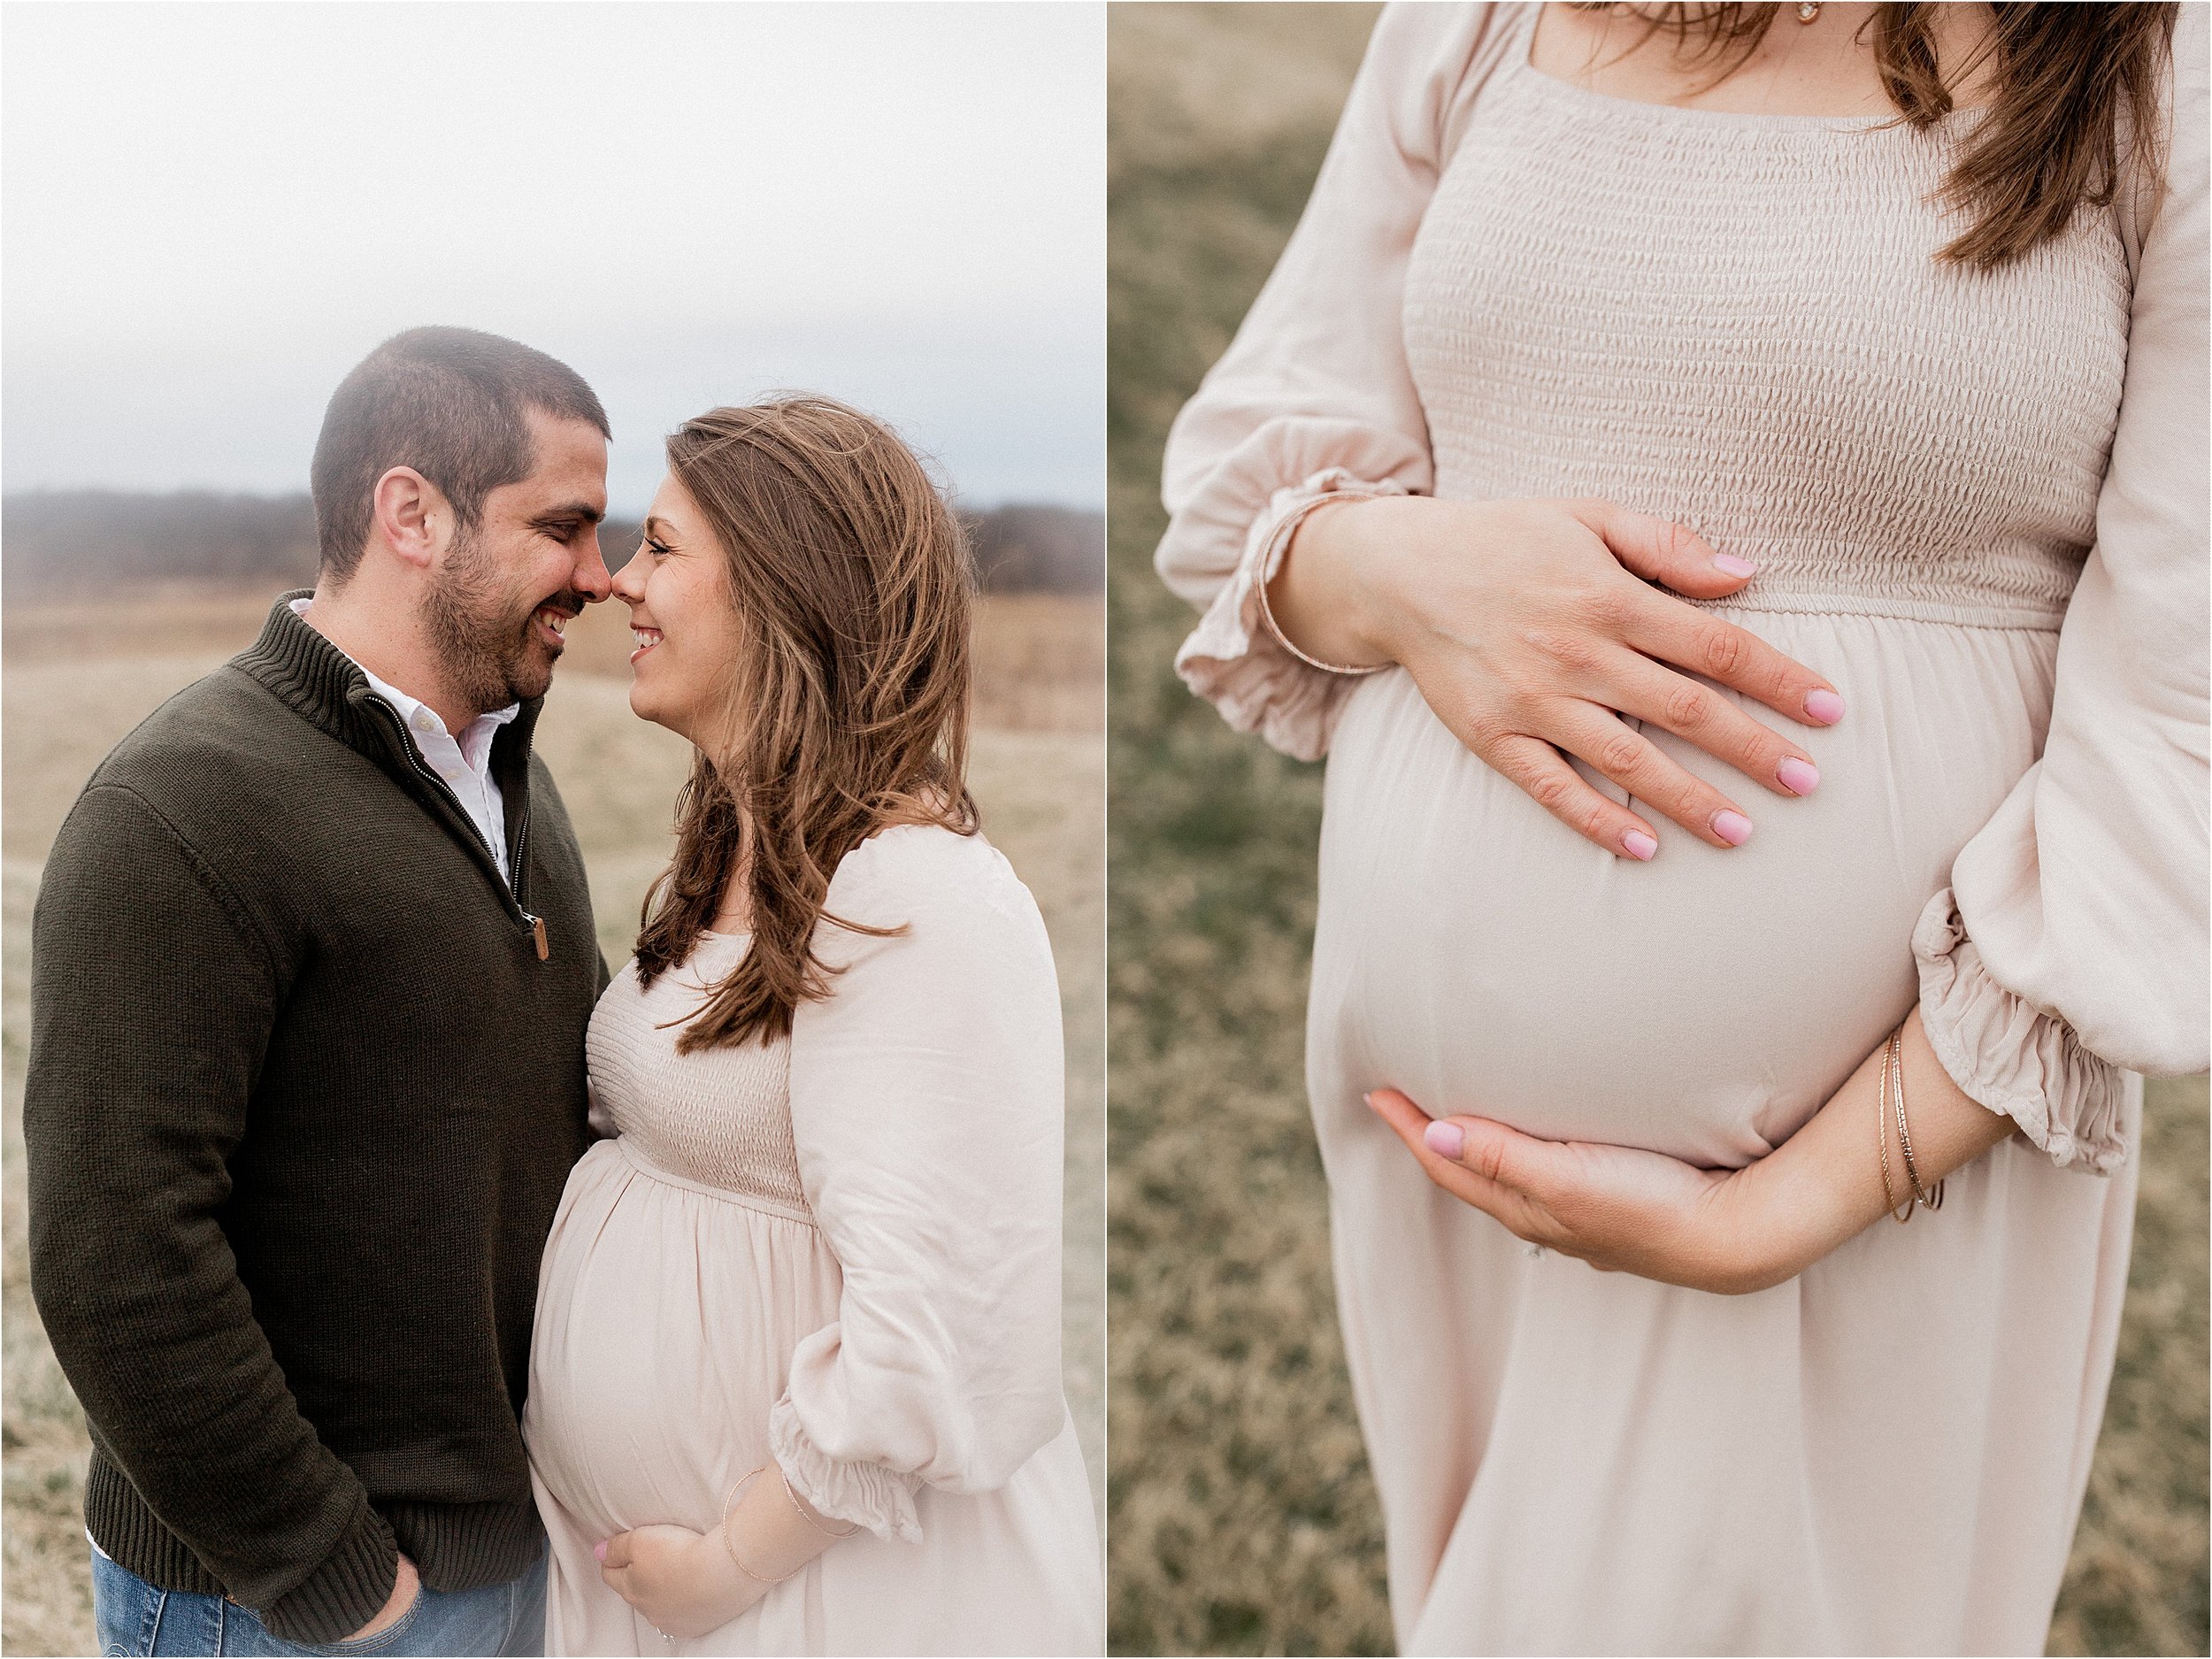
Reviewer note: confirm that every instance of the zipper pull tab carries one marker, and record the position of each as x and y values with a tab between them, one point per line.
537	930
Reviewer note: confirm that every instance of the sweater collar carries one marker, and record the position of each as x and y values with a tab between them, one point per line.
329	690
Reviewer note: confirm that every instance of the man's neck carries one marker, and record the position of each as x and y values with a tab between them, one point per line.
386	641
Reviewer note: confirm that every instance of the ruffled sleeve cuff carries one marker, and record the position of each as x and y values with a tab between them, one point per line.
873	1495
1237	663
2010	1056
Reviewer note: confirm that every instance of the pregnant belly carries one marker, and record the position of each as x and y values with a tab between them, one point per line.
1475	953
666	1319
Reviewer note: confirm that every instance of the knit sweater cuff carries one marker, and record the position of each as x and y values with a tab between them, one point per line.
348	1590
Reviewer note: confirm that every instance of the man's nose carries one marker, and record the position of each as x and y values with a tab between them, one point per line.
591	578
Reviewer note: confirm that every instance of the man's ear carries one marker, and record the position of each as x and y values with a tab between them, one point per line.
413	516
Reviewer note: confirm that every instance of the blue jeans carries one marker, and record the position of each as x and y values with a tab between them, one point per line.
135	1617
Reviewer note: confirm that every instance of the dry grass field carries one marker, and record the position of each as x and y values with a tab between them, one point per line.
1241	1518
77	679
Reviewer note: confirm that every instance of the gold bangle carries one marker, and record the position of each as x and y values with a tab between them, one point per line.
730	1544
1283	532
1928	1200
1881	1142
806	1515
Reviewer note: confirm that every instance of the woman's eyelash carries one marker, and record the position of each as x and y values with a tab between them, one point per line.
652	545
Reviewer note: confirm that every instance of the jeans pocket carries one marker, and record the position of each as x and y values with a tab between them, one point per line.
388	1640
126	1610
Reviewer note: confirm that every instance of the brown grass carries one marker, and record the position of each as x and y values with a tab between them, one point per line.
1242	1517
79	678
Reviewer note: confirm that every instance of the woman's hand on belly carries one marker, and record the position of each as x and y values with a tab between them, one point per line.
682	1582
1625	1210
685	1584
1526	628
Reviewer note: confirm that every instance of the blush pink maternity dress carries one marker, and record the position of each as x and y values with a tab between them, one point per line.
838	1255
1976	502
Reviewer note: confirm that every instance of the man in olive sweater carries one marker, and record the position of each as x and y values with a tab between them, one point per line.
312	963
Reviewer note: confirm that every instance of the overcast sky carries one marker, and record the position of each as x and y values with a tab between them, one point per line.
212	212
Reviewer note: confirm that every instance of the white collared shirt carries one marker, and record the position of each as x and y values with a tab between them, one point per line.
465	763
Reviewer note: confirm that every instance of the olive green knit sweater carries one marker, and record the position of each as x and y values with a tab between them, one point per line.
306	1079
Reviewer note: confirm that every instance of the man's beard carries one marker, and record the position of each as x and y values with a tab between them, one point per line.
493	654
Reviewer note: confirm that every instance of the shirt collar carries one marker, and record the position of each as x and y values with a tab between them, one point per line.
476	734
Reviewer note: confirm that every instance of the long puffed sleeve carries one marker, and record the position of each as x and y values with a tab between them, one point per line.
1314	398
927	1106
2071	941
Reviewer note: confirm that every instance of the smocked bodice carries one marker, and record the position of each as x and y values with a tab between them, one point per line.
1734	321
719	1116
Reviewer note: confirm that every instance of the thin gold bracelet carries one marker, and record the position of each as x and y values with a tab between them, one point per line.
1283	532
807	1516
1928	1200
1881	1142
730	1544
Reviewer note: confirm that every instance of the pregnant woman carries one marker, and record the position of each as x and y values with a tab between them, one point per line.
1702	926
795	1383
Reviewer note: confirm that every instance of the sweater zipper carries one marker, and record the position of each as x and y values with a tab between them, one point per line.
522	871
511	894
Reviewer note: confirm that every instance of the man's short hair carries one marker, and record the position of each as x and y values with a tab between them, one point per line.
447	402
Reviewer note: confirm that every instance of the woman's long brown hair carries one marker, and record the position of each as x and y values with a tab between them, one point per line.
851	582
2072	86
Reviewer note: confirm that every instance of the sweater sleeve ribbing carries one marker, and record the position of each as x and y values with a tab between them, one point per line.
153	998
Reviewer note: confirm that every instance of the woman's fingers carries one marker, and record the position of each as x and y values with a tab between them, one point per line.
1490	1190
1658	695
614	1563
1407	1120
1634	761
1704	644
1616	1208
1540	772
1659	550
1490	1151
1625	756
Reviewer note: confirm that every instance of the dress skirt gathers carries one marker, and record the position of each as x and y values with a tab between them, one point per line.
1977	503
837	1255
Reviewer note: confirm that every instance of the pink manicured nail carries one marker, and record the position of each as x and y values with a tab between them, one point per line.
1729	564
1638	845
1445	1139
600	1549
1732	826
1824	706
1799	777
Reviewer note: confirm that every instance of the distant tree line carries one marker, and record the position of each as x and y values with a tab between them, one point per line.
1039	549
72	541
